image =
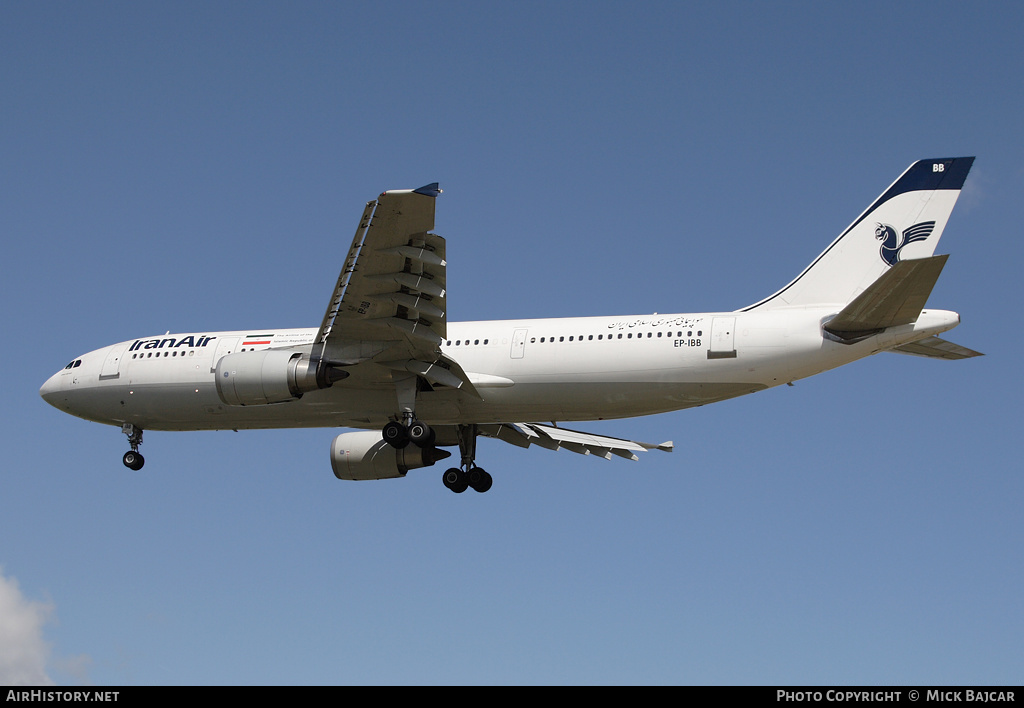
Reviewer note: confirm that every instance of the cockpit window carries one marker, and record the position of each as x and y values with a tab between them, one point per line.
76	363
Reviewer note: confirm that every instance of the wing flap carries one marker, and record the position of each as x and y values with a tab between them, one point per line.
442	372
552	438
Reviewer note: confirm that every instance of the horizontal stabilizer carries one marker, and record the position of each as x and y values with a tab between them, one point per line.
937	349
895	299
552	438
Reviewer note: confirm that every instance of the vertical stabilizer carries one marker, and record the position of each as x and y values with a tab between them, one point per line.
905	223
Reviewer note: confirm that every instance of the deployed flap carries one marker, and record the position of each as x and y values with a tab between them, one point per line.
896	298
392	286
552	438
937	349
444	371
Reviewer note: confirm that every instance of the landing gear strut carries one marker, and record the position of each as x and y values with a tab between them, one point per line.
132	459
399	433
469	475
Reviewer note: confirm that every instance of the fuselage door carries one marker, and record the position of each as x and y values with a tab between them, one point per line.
723	338
225	345
518	343
112	364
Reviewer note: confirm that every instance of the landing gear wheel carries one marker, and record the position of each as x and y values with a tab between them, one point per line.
133	460
395	435
421	434
479	480
456	480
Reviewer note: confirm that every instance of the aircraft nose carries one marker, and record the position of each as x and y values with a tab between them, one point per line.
50	391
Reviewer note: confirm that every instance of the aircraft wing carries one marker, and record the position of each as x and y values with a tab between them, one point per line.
552	438
392	286
388	304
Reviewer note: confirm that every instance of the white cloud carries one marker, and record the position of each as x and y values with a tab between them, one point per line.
23	651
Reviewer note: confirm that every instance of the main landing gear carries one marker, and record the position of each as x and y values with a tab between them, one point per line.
469	475
132	459
457	479
409	429
399	435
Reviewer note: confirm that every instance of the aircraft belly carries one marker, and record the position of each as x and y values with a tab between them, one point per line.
597	401
183	408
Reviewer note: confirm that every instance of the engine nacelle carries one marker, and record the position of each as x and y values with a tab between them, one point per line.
271	376
365	455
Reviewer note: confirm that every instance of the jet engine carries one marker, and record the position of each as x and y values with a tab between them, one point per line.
271	376
365	455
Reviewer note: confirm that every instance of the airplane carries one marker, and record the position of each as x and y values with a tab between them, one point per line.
386	362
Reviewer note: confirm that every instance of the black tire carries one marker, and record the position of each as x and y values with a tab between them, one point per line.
456	480
395	435
133	460
421	434
480	480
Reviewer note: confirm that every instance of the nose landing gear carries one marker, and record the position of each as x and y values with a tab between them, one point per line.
132	459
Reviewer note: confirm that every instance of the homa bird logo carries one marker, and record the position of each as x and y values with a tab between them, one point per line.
892	243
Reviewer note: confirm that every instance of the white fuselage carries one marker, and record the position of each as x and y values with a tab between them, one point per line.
568	369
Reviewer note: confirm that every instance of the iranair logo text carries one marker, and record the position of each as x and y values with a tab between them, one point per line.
893	243
189	342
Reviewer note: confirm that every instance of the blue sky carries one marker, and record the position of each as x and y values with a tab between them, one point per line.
202	166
